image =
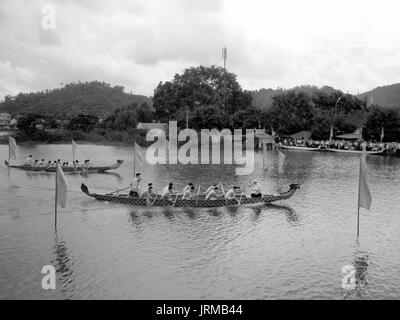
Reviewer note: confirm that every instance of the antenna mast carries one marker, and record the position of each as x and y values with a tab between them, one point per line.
224	56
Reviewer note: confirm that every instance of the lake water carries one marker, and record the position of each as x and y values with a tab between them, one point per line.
294	249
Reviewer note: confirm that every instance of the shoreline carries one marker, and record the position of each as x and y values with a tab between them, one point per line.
80	142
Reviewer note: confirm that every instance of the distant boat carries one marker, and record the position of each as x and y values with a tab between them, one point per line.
301	148
355	151
67	169
200	202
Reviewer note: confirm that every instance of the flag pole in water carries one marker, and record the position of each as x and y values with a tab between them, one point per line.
60	192
12	151
74	147
56	200
134	159
281	160
364	195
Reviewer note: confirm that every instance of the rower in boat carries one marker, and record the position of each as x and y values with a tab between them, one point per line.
29	161
188	192
42	163
167	191
187	187
212	194
135	185
211	188
148	193
256	190
36	163
49	164
232	193
86	164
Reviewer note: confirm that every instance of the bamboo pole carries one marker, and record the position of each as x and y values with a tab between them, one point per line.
56	200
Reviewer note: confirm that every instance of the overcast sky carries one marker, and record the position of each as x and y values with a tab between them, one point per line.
352	45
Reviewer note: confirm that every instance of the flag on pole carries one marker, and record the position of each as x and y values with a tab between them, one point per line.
331	135
273	132
281	160
138	153
61	187
74	149
365	198
382	134
12	148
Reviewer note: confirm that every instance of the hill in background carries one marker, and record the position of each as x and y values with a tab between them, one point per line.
385	96
263	98
98	98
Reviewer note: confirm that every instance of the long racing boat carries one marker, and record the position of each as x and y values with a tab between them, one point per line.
199	202
355	151
67	169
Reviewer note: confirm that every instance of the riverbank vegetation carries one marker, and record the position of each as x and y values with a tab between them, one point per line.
207	96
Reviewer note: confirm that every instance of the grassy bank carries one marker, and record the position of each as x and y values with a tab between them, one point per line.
98	136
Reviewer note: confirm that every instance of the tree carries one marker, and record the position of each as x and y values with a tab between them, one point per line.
83	122
208	117
199	86
291	112
144	114
125	118
389	119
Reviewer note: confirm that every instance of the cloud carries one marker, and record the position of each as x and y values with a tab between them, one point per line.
352	46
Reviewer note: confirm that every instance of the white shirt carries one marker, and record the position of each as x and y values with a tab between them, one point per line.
211	194
187	187
209	189
135	184
231	194
187	194
144	194
256	188
166	193
29	161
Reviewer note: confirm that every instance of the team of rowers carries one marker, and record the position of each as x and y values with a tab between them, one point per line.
43	164
189	191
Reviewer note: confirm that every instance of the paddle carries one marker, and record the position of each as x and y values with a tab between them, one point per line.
118	191
155	197
197	197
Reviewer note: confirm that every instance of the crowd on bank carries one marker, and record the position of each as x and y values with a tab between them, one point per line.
341	144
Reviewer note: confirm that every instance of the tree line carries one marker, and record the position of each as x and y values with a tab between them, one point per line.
213	98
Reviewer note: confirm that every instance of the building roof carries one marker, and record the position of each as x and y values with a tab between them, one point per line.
349	136
302	134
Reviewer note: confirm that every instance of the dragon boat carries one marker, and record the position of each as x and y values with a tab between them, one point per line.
198	202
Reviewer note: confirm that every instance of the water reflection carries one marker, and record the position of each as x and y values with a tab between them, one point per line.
361	260
63	264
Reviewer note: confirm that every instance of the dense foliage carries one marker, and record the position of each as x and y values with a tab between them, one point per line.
96	111
200	86
97	98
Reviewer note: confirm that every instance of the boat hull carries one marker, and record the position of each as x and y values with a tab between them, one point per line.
67	169
195	203
301	148
354	151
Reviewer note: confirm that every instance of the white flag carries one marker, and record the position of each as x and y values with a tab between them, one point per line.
331	135
382	134
74	149
12	147
365	198
62	187
138	153
281	160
